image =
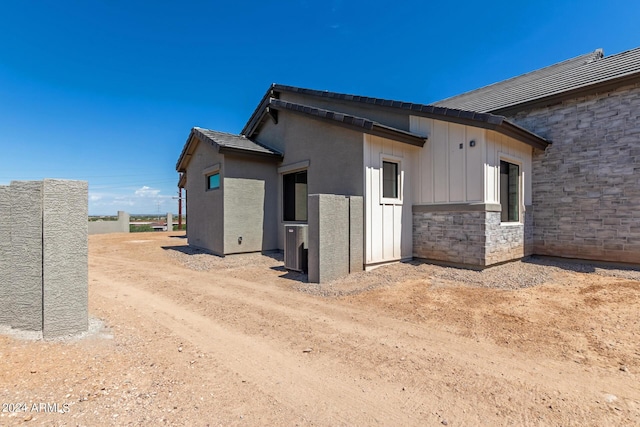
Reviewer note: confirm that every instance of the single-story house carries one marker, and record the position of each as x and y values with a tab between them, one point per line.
544	163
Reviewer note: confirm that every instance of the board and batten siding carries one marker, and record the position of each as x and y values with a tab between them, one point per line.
446	173
388	225
501	147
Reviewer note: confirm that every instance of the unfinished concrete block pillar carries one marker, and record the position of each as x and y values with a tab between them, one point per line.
356	234
25	284
123	221
328	236
64	257
169	221
6	293
43	256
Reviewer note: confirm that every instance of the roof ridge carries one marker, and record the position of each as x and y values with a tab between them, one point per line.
219	131
588	58
345	96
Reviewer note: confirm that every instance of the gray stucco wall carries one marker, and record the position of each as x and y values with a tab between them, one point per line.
586	185
389	117
250	204
6	288
335	156
335	153
26	255
64	257
104	227
205	208
244	215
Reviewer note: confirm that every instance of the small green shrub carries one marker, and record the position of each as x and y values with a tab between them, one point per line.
140	228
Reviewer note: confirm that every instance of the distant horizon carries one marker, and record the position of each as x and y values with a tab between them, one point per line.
138	214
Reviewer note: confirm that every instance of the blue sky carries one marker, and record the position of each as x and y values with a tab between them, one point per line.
107	91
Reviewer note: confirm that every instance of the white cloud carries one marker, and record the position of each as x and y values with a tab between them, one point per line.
143	200
147	192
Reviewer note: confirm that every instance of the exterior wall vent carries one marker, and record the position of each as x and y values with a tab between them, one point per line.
295	247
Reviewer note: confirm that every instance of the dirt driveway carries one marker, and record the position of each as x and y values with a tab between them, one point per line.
190	339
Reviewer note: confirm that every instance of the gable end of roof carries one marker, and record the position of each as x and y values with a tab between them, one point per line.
224	143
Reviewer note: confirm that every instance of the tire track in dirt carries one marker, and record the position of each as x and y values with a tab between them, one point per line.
467	374
343	320
262	364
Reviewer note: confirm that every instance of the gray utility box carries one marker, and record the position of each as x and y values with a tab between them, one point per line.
295	247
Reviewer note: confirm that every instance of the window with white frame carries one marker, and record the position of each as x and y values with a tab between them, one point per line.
509	191
390	180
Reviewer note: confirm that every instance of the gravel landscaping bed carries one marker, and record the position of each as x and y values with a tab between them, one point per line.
202	260
532	271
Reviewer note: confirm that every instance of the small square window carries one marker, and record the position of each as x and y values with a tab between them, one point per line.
213	181
390	181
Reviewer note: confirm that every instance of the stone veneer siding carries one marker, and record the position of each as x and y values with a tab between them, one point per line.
474	238
586	185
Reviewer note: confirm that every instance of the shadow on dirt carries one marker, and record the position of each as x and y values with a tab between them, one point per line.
290	274
189	250
584	266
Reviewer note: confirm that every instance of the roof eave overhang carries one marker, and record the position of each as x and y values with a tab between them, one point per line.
250	153
468	118
185	156
556	98
375	129
397	135
258	114
182	181
491	122
509	129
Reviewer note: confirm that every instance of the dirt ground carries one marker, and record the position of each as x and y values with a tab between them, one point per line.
189	339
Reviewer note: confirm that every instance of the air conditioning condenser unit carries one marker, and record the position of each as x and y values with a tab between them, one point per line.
295	247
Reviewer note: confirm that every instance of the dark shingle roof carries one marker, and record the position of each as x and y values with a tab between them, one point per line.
228	140
568	78
470	118
348	120
225	142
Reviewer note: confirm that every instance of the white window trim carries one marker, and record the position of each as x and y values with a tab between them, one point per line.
392	159
516	161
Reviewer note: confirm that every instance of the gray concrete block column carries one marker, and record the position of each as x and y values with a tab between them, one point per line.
169	221
328	234
6	289
356	234
64	263
43	256
26	255
123	221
